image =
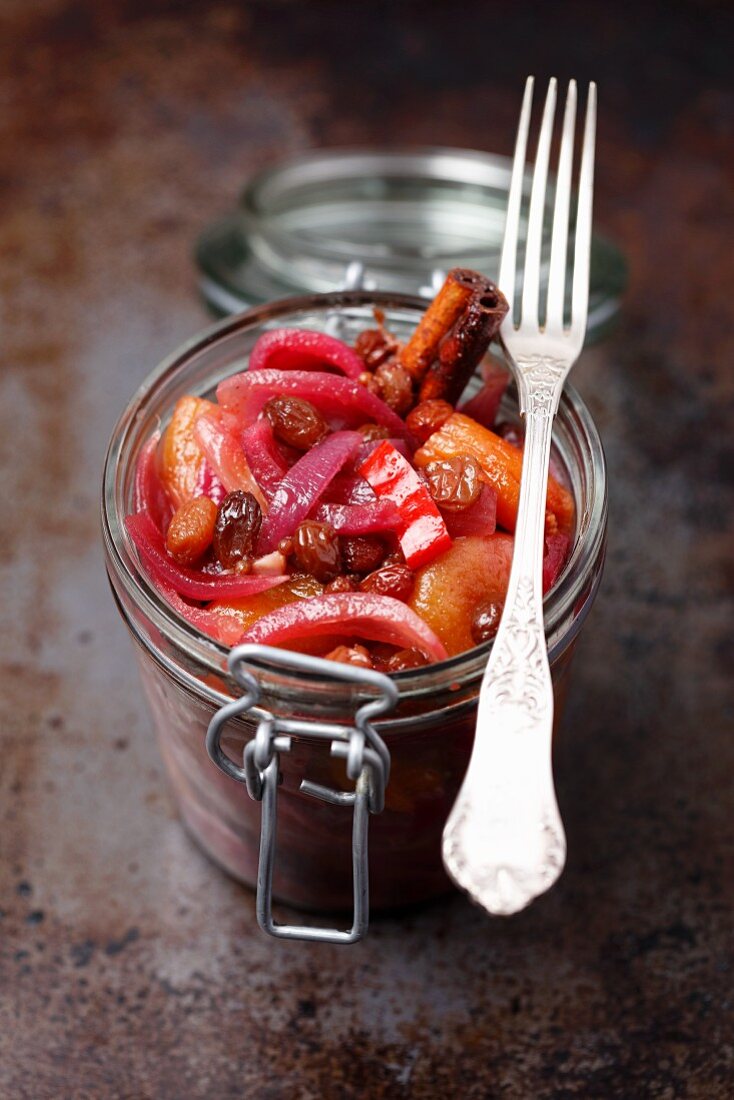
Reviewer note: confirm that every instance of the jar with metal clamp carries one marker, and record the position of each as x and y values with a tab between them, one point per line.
324	785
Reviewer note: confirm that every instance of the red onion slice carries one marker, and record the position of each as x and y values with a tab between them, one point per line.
149	496
264	456
301	349
554	558
304	485
360	519
360	614
338	399
480	518
189	582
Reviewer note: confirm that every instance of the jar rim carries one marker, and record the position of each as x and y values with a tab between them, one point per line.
132	427
260	197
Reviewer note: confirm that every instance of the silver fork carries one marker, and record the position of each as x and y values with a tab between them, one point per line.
504	841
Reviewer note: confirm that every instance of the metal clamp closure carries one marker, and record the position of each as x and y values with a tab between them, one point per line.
360	746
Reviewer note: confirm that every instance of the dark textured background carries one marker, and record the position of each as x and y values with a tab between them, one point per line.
129	967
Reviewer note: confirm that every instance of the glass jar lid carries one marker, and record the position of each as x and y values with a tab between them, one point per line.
393	220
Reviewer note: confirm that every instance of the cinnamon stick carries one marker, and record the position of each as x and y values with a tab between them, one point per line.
462	348
451	301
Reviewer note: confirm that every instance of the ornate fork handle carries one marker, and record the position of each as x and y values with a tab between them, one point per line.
504	842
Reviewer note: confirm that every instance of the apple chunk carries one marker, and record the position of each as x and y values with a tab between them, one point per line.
474	571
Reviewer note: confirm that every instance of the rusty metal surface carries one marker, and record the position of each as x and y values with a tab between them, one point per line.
129	966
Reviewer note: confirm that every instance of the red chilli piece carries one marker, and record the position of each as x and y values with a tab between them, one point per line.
302	349
193	583
357	614
422	531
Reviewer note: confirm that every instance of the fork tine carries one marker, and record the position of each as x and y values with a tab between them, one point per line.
508	261
531	279
559	243
582	251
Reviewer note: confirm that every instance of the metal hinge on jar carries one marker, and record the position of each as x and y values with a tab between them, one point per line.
360	746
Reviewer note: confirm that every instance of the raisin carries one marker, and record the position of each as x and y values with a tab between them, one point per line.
374	346
394	557
428	417
405	659
236	529
454	483
396	386
295	422
351	655
392	580
486	621
362	553
316	550
371	432
370	383
342	583
191	530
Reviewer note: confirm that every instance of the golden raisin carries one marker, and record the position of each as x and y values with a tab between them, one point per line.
372	432
362	553
374	346
486	621
351	655
237	527
316	550
454	483
342	583
405	659
369	382
391	580
295	422
428	417
396	386
191	530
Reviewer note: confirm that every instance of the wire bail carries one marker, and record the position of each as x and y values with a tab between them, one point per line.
366	756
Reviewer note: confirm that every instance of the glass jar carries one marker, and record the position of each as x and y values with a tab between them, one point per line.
429	734
407	215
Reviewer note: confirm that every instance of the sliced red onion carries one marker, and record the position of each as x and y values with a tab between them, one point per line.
223	628
301	349
350	489
148	493
554	559
193	583
483	407
338	399
209	484
480	518
216	434
361	614
264	456
304	485
360	519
